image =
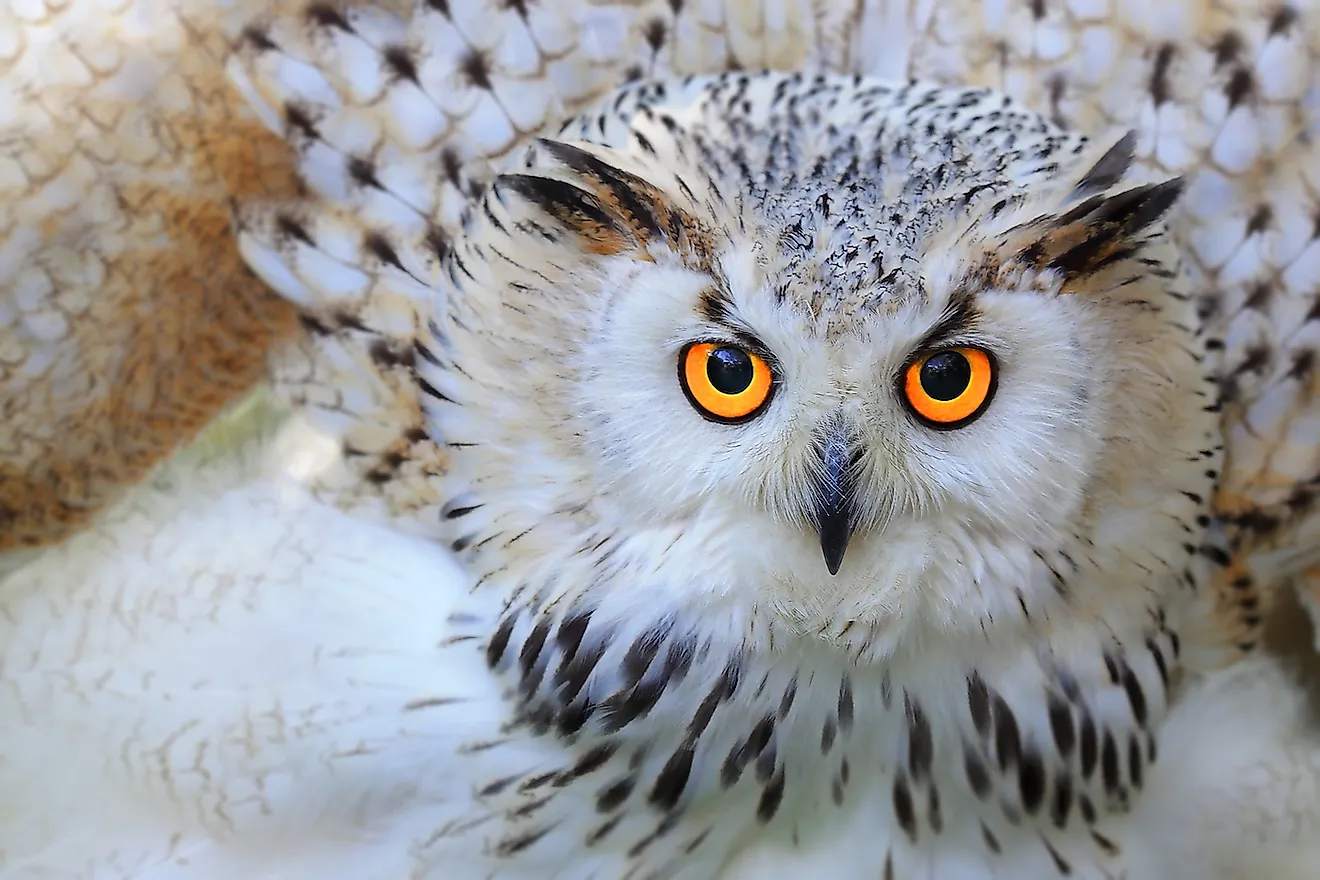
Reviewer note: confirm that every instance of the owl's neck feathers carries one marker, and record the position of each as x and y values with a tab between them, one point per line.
722	709
791	728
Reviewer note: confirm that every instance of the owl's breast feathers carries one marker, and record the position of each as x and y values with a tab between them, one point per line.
678	750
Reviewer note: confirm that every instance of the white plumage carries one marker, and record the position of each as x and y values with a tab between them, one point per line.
275	696
228	675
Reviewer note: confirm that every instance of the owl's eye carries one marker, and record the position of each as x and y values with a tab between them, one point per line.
723	382
950	387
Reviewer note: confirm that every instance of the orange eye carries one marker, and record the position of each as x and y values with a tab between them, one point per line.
723	382
950	387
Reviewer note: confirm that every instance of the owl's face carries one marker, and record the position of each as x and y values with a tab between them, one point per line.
682	392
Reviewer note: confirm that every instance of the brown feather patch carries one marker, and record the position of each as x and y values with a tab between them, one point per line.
612	210
578	211
1096	233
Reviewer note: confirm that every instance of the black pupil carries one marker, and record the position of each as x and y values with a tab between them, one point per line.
946	375
729	370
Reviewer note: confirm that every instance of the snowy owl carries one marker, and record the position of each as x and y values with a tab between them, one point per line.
857	472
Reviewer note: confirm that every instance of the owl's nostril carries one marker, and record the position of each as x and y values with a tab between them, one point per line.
835	496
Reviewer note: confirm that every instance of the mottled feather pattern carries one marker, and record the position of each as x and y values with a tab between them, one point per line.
1084	65
400	125
976	775
599	219
1223	95
676	702
127	318
505	70
776	748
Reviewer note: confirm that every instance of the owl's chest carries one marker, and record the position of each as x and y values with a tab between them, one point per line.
701	764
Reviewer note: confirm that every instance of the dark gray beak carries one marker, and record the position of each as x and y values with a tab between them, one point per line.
835	498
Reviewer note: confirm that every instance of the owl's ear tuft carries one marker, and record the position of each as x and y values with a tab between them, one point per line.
640	205
1099	232
607	208
1108	170
576	210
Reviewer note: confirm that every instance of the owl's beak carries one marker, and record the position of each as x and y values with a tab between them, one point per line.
835	501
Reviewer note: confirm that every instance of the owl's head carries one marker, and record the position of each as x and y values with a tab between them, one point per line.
936	389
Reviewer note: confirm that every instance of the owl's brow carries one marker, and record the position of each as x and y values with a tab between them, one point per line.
716	307
960	315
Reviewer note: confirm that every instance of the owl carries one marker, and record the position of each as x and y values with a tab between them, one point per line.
835	464
832	459
127	141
